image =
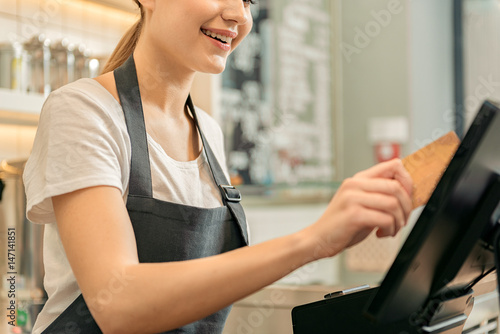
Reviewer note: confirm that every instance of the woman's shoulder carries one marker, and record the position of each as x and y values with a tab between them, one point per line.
83	98
84	87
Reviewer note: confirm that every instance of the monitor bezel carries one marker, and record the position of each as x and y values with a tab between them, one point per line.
384	303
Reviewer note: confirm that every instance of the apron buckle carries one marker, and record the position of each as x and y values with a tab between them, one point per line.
231	193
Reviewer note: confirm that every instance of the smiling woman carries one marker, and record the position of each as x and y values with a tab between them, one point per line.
130	179
225	38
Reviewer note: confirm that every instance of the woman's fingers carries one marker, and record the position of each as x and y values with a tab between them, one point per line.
392	169
379	186
385	223
367	220
385	204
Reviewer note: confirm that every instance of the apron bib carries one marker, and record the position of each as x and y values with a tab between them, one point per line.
166	231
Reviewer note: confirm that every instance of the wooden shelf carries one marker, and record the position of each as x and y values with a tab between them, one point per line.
20	108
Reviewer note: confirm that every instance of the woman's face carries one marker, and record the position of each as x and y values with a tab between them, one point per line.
197	34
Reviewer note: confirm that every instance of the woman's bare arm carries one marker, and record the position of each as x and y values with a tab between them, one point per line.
125	296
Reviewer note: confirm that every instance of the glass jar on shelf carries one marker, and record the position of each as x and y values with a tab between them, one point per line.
36	65
10	65
62	63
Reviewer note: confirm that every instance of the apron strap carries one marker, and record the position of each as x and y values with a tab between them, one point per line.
130	98
231	196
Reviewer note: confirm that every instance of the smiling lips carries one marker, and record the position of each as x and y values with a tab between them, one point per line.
222	39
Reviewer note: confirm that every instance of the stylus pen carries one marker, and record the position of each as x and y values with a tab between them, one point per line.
347	291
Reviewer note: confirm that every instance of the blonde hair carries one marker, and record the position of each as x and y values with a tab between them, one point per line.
126	45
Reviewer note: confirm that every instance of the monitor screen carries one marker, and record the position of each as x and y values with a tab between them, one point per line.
446	247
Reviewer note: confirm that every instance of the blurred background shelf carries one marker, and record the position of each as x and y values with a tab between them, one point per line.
20	108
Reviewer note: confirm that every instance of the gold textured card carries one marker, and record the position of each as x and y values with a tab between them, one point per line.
427	165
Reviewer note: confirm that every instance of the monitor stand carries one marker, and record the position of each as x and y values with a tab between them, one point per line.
444	313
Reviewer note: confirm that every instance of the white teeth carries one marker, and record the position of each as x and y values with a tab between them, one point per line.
218	36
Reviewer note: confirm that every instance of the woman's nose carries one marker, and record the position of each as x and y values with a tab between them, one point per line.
236	10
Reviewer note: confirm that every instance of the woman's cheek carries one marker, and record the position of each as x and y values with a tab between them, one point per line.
242	35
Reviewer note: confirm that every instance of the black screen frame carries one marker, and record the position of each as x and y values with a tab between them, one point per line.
429	260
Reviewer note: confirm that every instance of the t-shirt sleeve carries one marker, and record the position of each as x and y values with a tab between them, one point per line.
80	142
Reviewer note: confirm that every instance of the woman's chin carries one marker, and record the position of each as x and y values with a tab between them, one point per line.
215	66
216	69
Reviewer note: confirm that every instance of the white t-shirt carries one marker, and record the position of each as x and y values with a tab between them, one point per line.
82	141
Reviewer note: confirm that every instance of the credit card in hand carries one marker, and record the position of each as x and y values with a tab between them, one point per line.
427	165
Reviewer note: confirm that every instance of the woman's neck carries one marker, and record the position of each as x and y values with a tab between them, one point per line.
164	86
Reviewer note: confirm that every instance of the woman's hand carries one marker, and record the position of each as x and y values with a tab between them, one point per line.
378	198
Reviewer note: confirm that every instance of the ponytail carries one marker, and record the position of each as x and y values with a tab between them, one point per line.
126	45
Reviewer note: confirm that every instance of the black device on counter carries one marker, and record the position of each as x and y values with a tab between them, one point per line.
453	246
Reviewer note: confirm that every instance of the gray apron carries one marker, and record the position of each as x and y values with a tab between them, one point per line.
166	231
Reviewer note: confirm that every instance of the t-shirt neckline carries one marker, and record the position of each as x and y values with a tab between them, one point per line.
196	163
